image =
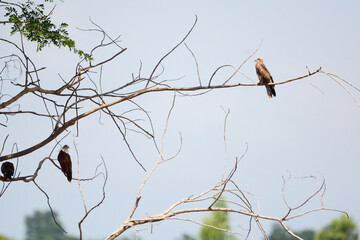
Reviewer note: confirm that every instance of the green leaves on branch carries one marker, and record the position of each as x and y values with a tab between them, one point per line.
31	22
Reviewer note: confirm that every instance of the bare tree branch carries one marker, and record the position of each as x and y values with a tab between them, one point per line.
79	96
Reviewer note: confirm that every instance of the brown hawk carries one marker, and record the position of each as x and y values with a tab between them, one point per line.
65	162
265	77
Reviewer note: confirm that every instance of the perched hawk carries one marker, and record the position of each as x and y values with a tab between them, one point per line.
7	169
65	162
265	77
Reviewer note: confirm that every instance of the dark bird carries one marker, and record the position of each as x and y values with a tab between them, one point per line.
265	77
65	162
7	169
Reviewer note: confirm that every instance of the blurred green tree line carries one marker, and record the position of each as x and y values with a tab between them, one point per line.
41	226
342	228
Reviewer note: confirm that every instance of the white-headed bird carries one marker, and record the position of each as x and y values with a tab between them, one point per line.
65	162
265	77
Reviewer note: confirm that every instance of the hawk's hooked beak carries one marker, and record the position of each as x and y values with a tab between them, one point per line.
255	60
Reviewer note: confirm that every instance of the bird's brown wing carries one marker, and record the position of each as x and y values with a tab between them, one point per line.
265	74
265	78
65	163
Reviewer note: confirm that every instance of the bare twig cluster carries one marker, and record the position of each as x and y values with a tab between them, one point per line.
64	105
82	95
239	201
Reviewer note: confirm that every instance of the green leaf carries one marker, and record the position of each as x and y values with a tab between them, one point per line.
35	26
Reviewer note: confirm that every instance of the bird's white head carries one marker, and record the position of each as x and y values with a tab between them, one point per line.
65	148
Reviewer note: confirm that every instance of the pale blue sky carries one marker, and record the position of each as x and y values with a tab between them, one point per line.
301	131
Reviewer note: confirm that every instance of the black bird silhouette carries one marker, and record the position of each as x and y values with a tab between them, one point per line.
7	169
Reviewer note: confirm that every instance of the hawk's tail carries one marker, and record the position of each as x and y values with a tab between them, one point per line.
69	177
271	91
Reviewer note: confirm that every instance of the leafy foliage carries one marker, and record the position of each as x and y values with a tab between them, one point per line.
341	228
30	21
186	237
278	233
2	237
41	226
219	220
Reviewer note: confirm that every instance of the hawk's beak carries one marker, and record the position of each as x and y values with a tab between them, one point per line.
255	60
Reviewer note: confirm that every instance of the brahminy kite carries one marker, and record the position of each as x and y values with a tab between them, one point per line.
65	162
265	77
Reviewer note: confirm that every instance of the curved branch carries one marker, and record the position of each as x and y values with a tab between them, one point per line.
157	65
72	121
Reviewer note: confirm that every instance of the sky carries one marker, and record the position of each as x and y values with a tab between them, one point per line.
311	128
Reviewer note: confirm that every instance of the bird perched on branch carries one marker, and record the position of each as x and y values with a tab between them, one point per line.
7	169
265	77
65	162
